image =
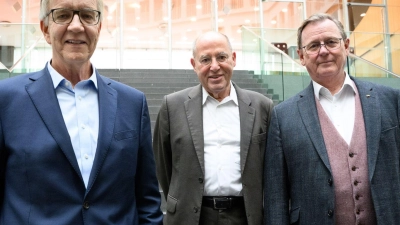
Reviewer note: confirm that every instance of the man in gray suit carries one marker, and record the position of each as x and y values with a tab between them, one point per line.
333	151
209	143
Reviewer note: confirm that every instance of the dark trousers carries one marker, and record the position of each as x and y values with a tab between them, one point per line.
233	216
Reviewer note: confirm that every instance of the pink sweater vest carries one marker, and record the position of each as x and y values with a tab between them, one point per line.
353	202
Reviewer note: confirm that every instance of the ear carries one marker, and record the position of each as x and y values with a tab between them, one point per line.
99	27
45	31
347	46
193	64
234	58
301	56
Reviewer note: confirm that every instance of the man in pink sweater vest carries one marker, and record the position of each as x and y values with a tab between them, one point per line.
333	150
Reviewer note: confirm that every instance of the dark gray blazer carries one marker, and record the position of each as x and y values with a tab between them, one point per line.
179	151
297	168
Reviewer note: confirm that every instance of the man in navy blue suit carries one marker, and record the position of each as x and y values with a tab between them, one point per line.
75	147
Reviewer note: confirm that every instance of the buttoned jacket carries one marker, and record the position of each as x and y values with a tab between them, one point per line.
298	185
40	180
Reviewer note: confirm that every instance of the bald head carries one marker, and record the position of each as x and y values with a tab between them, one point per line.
209	34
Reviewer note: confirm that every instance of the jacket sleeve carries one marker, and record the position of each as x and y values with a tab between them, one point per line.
276	186
162	148
2	165
147	191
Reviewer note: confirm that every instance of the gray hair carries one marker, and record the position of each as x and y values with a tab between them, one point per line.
194	48
319	17
44	8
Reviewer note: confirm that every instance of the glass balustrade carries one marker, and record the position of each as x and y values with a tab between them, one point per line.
22	49
271	54
273	58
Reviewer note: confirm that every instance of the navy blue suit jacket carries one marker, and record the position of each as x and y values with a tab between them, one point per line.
40	181
299	187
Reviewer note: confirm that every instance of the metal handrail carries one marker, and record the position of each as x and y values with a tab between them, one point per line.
351	55
272	46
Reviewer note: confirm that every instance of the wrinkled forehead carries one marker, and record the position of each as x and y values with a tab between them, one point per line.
320	30
73	4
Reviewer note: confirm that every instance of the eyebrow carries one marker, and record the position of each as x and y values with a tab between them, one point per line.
313	41
218	54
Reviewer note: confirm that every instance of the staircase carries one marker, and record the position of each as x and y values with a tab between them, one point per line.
156	83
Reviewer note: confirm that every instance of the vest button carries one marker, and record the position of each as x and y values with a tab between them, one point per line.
355	183
353	168
357	197
351	154
330	213
195	209
200	180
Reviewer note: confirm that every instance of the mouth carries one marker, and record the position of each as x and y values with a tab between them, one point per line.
214	77
325	62
75	42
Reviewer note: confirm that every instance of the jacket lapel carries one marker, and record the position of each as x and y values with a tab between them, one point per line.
246	114
42	93
372	120
107	114
194	114
309	116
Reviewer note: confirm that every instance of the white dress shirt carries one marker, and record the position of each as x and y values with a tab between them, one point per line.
221	125
80	109
340	107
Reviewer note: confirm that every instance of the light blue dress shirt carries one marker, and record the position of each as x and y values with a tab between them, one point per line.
80	109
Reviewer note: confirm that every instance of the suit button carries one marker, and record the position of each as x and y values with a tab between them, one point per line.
330	213
195	209
200	180
330	182
86	205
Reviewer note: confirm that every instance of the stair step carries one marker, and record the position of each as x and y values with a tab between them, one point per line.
156	83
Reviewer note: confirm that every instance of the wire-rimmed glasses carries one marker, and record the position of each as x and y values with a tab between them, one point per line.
330	44
63	16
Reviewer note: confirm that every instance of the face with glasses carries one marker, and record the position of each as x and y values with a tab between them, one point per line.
213	63
324	52
73	30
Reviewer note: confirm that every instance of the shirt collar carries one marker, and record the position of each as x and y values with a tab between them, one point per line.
321	90
232	95
58	78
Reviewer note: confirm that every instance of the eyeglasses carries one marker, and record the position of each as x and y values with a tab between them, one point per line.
87	17
206	60
330	44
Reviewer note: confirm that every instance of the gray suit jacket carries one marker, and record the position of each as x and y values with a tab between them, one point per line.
297	168
179	151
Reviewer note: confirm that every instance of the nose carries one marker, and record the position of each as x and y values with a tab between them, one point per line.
76	24
323	49
214	66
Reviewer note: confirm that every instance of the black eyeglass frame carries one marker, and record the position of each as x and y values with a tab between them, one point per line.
75	12
320	46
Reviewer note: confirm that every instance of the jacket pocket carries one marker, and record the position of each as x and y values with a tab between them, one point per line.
125	135
294	215
171	204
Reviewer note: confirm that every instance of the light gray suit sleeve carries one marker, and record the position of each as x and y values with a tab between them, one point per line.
162	148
